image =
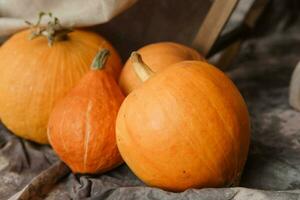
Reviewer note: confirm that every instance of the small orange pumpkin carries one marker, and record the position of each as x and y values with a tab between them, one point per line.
185	127
81	128
34	74
157	56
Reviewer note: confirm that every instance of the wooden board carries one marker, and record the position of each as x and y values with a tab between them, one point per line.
239	34
213	24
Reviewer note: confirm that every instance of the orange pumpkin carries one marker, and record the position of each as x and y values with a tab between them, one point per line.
34	75
157	56
185	127
81	128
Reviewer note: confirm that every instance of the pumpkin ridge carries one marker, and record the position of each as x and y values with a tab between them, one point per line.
87	133
240	163
193	146
36	102
222	122
129	133
103	146
235	149
60	132
104	85
49	135
107	83
32	93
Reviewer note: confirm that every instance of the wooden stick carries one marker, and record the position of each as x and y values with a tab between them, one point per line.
233	40
294	93
42	184
213	24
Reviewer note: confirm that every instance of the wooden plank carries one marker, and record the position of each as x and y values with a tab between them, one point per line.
243	31
213	24
40	185
294	93
255	12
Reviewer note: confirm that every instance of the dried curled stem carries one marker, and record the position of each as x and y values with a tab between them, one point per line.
143	71
53	31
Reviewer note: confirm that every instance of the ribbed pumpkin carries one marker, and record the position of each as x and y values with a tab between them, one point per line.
81	128
157	56
185	127
35	73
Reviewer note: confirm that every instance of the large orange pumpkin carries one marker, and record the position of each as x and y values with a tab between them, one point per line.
187	126
82	125
157	56
34	75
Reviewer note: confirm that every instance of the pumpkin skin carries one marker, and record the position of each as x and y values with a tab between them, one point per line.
33	76
185	127
157	56
81	127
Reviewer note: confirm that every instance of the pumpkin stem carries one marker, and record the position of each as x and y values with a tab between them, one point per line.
53	31
142	70
100	59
